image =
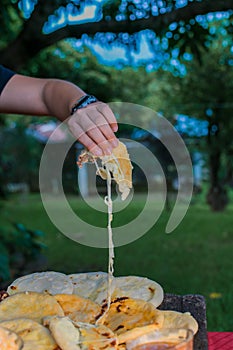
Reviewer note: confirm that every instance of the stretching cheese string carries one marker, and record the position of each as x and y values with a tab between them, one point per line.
108	202
105	173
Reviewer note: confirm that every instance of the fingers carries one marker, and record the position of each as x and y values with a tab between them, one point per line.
94	127
108	114
83	138
103	127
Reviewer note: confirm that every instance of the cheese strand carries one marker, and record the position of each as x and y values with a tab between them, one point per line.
108	201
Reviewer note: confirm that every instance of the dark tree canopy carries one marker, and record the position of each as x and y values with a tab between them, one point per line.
180	23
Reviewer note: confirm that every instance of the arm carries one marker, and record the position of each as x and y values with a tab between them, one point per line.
93	126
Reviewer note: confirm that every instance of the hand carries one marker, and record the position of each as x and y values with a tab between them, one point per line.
94	127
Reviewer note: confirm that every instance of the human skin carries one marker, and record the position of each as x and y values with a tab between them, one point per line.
93	126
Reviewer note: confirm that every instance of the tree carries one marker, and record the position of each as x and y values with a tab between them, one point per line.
23	38
20	156
206	92
84	69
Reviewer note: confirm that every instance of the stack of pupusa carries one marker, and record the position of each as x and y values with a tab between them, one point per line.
46	318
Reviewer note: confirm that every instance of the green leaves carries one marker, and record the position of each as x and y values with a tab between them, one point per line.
4	264
18	247
110	9
11	21
120	17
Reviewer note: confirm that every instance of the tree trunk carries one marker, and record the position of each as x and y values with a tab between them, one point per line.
217	196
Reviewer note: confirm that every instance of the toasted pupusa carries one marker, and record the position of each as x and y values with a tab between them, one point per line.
9	340
121	168
64	332
50	282
175	319
125	314
34	335
96	337
93	285
137	332
77	335
29	305
90	285
164	335
118	163
78	309
138	288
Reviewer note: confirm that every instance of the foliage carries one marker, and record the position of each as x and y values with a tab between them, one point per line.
20	155
168	24
83	69
18	248
187	35
4	264
11	20
205	92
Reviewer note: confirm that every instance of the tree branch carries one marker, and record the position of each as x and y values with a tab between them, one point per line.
155	23
31	40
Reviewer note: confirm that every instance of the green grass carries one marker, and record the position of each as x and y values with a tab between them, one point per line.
195	258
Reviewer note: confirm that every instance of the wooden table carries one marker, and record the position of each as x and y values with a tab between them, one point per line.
195	304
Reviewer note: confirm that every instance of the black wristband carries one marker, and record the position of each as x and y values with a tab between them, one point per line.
83	102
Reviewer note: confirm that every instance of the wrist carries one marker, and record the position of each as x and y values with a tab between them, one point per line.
83	102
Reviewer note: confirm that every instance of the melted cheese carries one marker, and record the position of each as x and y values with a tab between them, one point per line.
110	167
108	202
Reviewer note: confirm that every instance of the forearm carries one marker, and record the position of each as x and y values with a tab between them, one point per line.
93	125
34	96
59	96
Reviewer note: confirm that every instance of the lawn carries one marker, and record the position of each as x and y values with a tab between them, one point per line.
195	258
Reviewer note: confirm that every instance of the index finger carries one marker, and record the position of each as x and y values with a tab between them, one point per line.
108	115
